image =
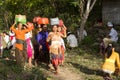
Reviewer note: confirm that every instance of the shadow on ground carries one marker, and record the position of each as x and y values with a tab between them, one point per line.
86	70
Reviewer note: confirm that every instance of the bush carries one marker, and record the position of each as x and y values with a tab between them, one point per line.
6	53
89	43
88	40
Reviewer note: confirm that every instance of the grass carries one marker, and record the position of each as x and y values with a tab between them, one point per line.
10	71
84	62
87	64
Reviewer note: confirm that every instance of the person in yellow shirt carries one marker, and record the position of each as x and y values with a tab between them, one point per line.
111	60
20	45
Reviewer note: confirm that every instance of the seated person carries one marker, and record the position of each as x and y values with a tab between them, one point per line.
111	38
113	35
111	61
72	40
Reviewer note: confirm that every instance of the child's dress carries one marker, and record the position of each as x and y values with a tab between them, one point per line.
29	45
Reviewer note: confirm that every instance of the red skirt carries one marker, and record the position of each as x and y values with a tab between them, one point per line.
63	51
56	59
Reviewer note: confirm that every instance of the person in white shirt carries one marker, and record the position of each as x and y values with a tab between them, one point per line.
72	40
12	38
112	37
6	39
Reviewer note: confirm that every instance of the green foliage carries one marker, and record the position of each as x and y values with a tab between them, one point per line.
67	10
75	3
90	43
16	69
6	53
73	27
88	40
9	70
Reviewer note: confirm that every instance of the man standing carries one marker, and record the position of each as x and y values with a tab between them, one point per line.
43	48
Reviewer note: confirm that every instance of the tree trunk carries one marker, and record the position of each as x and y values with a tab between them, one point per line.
84	15
6	21
82	24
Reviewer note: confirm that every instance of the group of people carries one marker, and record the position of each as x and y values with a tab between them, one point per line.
112	37
111	62
7	41
38	44
49	47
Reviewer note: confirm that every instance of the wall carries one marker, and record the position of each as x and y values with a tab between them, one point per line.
111	11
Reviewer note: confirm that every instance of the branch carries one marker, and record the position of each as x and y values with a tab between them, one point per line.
81	7
92	4
88	6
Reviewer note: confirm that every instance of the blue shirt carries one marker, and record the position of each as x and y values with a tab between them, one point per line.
41	39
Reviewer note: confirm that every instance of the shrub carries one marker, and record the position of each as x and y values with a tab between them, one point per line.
88	40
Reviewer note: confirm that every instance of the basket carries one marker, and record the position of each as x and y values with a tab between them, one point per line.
54	21
36	19
43	21
20	18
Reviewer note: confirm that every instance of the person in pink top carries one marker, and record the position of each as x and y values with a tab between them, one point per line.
30	50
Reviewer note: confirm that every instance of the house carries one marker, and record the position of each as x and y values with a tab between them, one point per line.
111	11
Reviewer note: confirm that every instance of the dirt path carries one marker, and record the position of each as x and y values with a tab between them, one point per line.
65	73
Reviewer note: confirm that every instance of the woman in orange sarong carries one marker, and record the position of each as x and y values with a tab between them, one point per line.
20	45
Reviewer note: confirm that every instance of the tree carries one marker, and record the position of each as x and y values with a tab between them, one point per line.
9	8
85	7
46	8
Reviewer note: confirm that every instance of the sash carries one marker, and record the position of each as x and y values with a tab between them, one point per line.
19	41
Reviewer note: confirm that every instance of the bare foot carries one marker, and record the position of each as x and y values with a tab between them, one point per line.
56	73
